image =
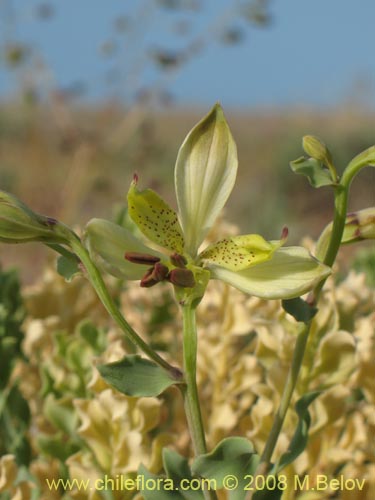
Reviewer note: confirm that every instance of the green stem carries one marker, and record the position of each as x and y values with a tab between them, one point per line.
106	299
341	201
189	389
299	351
341	205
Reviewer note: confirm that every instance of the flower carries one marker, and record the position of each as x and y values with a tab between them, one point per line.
205	174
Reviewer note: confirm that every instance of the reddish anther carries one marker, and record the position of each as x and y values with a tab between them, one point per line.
148	279
182	277
160	271
141	258
178	260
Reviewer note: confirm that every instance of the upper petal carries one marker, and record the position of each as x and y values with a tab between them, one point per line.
240	252
291	272
108	242
205	173
155	218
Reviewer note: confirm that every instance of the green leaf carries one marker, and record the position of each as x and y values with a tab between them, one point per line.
172	486
67	268
136	376
234	456
299	440
177	468
314	170
299	309
164	491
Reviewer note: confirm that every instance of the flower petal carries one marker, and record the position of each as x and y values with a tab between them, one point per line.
108	242
155	218
205	173
291	272
240	252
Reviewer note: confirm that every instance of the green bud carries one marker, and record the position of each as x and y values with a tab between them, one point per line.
315	148
19	224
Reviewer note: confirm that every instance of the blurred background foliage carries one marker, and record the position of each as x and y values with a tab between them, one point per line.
72	155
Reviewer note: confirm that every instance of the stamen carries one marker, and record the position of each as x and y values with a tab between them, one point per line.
182	277
148	279
141	258
160	271
178	260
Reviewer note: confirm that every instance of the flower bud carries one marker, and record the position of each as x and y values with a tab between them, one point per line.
19	224
315	148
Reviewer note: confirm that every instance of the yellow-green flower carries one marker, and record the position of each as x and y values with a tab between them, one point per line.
205	174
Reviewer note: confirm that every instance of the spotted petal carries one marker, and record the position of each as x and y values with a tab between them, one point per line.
291	272
205	173
155	218
239	252
108	242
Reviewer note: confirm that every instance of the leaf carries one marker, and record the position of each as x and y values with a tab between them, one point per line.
299	440
234	456
177	468
136	376
314	170
173	485
164	489
299	309
67	268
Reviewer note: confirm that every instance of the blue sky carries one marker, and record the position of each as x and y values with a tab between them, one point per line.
315	52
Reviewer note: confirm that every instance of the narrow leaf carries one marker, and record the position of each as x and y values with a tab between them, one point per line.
136	376
299	440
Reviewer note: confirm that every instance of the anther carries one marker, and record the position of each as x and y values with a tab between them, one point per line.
148	279
178	260
181	277
141	258
160	271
